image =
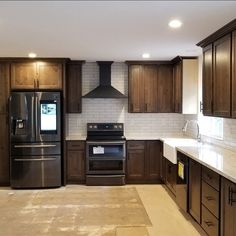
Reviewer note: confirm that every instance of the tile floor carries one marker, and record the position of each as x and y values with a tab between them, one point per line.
165	216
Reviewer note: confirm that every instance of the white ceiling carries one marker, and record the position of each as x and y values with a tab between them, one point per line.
103	30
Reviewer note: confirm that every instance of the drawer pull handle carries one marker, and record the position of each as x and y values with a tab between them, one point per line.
231	195
209	177
208	198
209	223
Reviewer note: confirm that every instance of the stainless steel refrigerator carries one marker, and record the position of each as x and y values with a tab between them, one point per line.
35	137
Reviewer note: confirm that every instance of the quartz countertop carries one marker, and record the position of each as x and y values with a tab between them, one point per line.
220	160
75	137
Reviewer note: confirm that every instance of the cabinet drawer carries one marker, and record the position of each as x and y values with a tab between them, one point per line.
75	145
136	144
209	222
211	177
210	199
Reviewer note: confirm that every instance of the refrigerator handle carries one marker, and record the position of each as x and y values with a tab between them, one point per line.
32	117
36	116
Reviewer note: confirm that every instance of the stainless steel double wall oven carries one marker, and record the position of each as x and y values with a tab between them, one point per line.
105	154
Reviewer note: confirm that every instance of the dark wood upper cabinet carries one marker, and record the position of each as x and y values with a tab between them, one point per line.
195	190
4	87
234	74
36	75
23	75
164	88
228	208
74	87
222	77
4	144
150	88
49	75
136	89
207	83
177	74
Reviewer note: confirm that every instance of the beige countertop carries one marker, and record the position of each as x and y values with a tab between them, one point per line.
75	137
220	160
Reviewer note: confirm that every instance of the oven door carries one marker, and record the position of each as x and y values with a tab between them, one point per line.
105	150
105	157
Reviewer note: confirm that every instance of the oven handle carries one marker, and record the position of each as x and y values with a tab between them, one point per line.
105	142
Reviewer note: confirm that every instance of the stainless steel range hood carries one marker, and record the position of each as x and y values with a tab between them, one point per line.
104	90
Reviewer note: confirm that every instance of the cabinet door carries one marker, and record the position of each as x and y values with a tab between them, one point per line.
177	74
4	153
23	75
171	176
228	208
162	165
234	74
150	88
49	75
136	89
153	160
75	166
4	87
207	86
195	190
74	87
136	165
165	88
221	77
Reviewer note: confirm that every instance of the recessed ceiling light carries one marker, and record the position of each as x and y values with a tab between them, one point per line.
32	55
146	55
175	23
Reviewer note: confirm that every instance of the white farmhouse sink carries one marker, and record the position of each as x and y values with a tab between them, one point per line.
170	145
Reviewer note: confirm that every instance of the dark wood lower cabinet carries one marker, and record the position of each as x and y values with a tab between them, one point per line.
143	162
195	190
4	153
75	162
228	208
171	176
162	166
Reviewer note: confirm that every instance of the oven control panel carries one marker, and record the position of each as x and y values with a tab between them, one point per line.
105	127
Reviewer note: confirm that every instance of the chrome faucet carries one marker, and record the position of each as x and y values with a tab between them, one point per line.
198	129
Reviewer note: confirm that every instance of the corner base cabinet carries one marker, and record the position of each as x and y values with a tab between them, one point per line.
75	162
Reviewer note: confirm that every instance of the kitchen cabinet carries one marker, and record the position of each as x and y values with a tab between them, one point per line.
195	190
36	75
162	166
75	162
165	88
4	152
228	208
74	86
143	162
222	77
234	74
136	88
150	88
207	80
185	80
177	73
171	176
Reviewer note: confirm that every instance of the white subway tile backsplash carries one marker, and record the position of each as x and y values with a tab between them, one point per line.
116	110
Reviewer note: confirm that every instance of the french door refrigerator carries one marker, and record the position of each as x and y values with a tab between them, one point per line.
35	137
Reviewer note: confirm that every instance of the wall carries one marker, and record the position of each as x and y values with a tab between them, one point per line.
116	110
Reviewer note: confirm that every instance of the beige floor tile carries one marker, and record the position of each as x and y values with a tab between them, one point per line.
131	231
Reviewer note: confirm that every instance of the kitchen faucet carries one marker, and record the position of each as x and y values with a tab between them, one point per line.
198	130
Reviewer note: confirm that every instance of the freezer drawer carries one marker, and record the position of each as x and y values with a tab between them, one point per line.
28	149
36	171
